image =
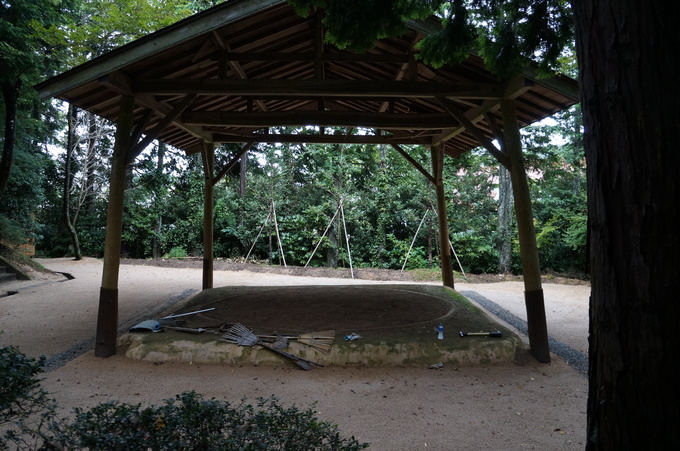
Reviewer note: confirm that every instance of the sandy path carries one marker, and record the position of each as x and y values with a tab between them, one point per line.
534	406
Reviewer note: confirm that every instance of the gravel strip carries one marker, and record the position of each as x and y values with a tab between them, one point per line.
573	357
58	360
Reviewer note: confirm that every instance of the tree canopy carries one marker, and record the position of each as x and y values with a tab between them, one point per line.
503	32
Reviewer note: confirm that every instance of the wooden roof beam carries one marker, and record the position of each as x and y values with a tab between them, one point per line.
120	84
308	57
429	121
318	139
235	65
232	163
327	88
475	131
403	68
414	163
159	128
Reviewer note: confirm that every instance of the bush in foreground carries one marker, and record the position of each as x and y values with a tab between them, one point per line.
191	422
188	422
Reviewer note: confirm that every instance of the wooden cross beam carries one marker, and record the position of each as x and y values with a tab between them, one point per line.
312	87
430	121
318	139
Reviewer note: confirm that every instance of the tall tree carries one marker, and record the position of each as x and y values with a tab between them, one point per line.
72	142
504	220
631	114
27	35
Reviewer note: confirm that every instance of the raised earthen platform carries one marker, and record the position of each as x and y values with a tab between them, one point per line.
396	324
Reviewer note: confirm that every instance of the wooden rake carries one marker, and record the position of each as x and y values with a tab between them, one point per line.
240	335
322	340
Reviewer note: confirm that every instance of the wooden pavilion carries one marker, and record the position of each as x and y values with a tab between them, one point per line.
232	72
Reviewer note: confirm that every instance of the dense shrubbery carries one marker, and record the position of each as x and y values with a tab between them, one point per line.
189	422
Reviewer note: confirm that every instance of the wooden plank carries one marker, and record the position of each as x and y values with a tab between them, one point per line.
310	87
107	316
444	244
429	121
318	139
208	157
531	270
308	57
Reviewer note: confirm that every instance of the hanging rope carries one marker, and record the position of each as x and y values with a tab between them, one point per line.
414	240
456	255
322	236
257	237
278	237
349	254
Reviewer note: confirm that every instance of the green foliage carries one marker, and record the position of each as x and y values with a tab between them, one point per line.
559	195
102	25
20	397
503	32
20	394
188	422
176	252
453	43
26	28
191	422
10	231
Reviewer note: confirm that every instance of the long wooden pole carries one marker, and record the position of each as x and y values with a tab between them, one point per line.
533	290
107	318
444	248
208	214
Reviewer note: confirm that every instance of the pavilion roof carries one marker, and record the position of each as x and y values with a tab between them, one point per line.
239	71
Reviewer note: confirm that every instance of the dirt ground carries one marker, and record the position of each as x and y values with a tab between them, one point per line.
518	406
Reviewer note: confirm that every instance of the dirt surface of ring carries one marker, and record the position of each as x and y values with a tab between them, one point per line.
345	308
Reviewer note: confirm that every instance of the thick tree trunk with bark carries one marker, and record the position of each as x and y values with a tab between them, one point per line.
504	220
10	94
629	60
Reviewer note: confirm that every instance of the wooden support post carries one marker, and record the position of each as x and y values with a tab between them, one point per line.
208	214
445	249
533	290
107	319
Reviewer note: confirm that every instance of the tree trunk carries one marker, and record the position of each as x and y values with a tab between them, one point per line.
160	167
71	144
504	220
10	93
92	139
333	252
628	62
242	176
